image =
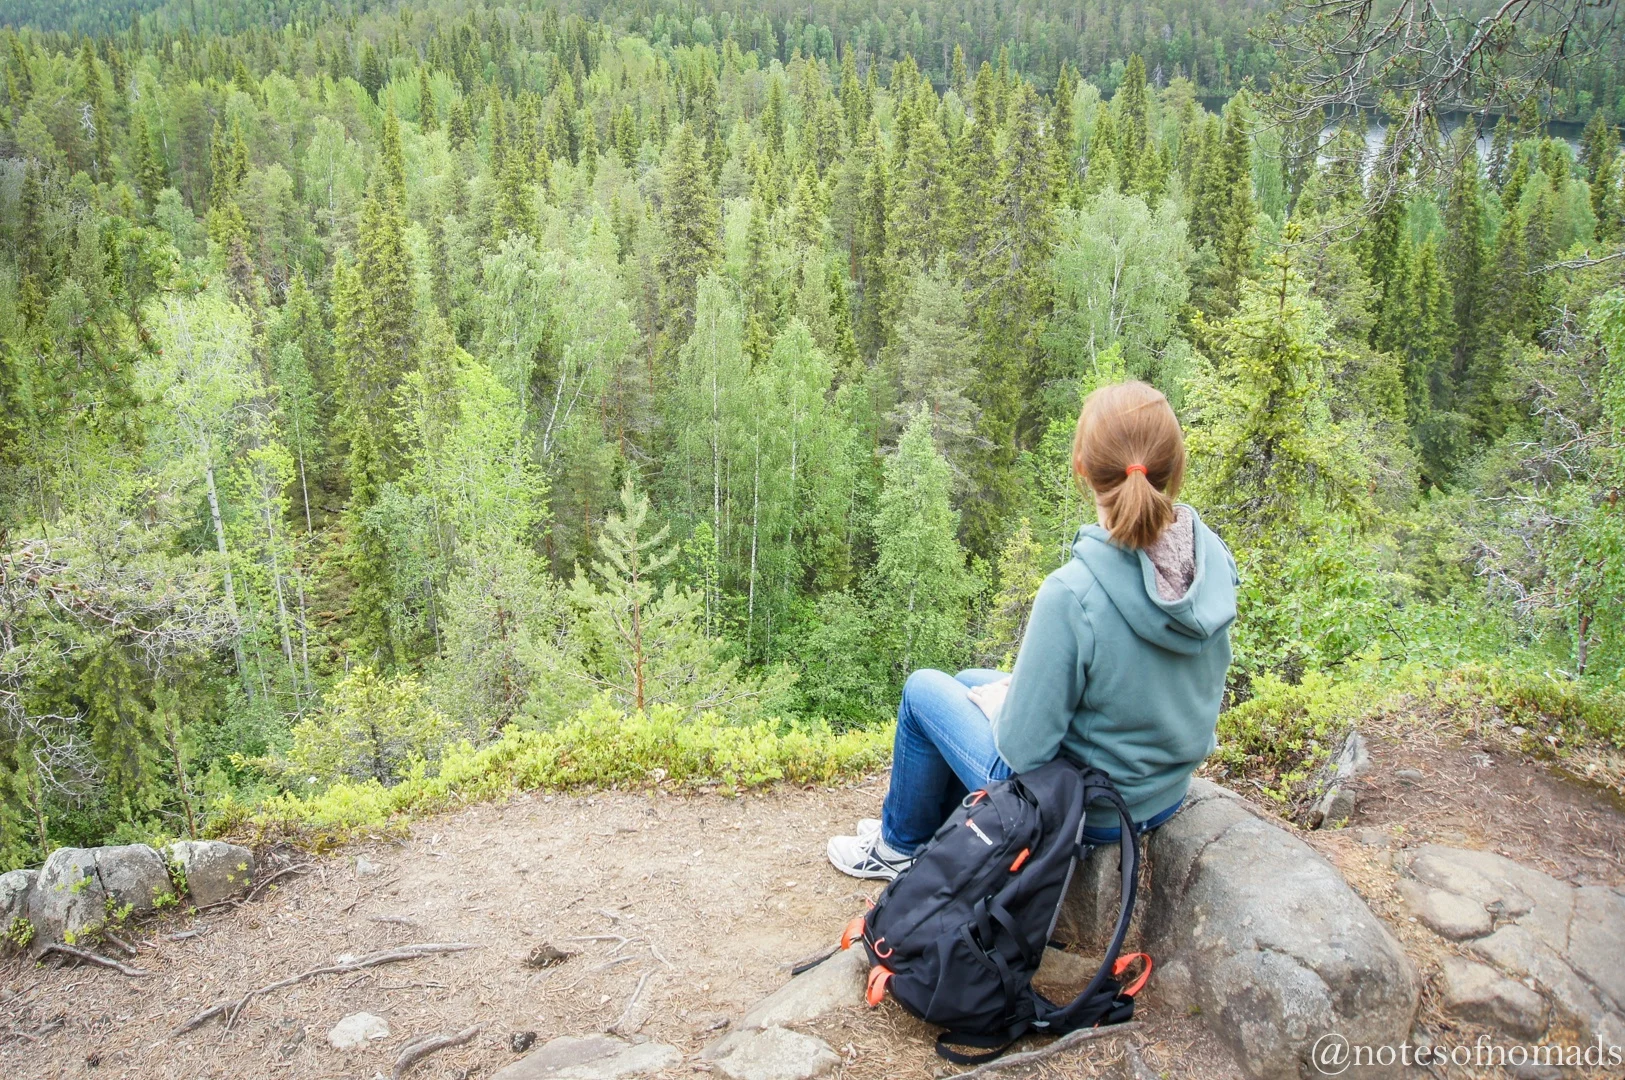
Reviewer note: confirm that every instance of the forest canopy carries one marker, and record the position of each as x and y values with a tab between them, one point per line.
387	390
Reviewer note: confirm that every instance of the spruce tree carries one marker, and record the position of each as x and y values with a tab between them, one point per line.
1234	240
1132	132
693	223
428	118
869	254
915	222
1464	260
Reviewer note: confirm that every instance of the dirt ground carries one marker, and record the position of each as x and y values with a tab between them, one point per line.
1474	793
703	900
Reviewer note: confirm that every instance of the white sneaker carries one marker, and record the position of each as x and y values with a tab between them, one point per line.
866	856
869	826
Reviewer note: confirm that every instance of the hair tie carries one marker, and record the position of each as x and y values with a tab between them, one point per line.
1136	469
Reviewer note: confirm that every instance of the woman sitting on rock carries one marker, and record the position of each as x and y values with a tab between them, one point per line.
1122	665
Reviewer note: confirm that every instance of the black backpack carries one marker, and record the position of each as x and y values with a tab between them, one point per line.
957	936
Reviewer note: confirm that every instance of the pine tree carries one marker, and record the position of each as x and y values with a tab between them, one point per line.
693	224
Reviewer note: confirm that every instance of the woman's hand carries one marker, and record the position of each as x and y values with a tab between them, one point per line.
989	697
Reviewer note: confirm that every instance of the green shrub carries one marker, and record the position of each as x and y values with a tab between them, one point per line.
601	747
1280	737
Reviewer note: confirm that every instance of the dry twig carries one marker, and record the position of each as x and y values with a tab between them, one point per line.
619	1026
295	869
418	1049
230	1009
1065	1042
94	958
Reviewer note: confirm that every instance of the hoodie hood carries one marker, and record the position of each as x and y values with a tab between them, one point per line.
1186	625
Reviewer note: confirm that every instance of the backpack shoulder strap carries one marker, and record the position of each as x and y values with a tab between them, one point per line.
1097	1000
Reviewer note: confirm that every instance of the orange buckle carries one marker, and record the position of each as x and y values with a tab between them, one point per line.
853	932
1020	859
878	978
1139	981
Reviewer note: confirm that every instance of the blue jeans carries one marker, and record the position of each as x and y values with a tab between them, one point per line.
943	751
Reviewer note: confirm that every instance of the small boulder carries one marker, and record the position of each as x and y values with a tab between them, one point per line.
1447	914
837	982
596	1057
133	874
214	870
358	1029
774	1053
67	899
1480	994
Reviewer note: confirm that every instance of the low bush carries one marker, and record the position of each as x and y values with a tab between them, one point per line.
601	747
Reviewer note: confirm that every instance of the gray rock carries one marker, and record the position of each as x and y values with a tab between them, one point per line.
357	1029
774	1053
1066	969
1532	1070
1336	805
837	982
1597	941
1479	993
1563	940
1409	776
67	899
215	871
1373	838
133	874
1506	889
365	867
1094	900
1448	914
1131	1066
596	1057
1256	929
14	887
1520	952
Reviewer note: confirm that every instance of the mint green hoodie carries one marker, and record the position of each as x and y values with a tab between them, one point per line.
1120	678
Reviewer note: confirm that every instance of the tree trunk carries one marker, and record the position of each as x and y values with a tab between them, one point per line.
231	587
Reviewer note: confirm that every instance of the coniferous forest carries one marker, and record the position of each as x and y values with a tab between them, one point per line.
431	397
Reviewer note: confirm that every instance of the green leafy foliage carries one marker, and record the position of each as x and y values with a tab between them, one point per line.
383	392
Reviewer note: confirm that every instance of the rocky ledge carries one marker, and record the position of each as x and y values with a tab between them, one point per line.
1536	955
